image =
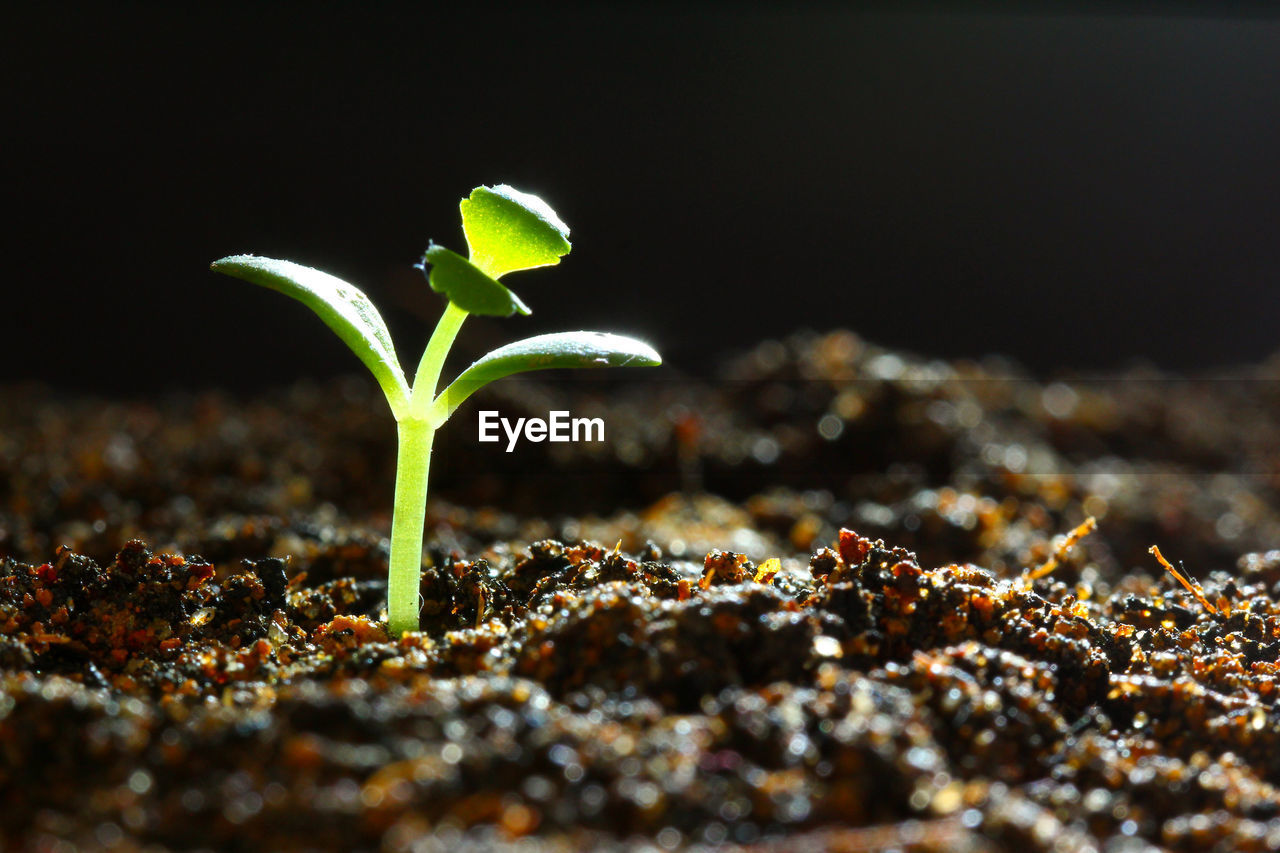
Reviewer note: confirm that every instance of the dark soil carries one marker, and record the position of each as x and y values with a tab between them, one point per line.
911	685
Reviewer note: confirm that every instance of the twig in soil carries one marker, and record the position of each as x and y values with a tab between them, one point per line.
481	604
1192	585
1089	525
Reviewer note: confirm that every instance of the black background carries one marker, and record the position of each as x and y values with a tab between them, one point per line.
1077	186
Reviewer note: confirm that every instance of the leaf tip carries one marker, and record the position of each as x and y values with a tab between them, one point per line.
535	205
223	264
640	354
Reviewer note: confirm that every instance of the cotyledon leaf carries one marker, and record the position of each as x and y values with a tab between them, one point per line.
544	352
469	287
343	307
509	230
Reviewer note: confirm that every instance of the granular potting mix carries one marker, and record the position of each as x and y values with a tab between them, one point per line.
833	598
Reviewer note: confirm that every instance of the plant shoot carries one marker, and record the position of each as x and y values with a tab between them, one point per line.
506	231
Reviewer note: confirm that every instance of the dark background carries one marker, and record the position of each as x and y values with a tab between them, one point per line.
1074	185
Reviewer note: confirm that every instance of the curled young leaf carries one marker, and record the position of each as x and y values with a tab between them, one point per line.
543	352
469	287
510	230
342	306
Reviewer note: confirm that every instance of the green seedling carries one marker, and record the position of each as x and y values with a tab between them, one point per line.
506	231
